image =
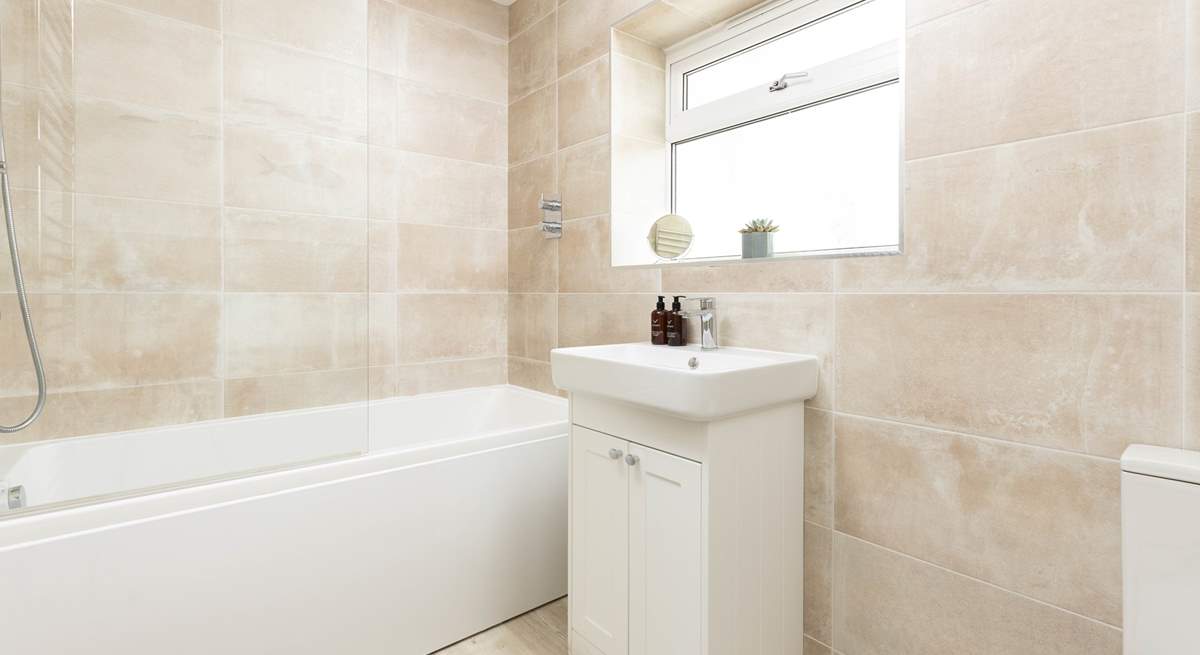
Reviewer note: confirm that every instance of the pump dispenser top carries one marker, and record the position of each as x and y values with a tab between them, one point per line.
676	324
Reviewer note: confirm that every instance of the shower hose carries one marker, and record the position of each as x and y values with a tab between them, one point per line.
22	297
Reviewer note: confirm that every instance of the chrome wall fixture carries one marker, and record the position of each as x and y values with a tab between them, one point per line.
552	222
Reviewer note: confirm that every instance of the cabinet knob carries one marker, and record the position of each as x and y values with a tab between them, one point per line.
632	460
614	453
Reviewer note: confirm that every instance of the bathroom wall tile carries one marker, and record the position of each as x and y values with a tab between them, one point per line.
105	340
1192	209
1192	12
135	57
714	11
532	62
531	375
584	172
36	43
134	151
140	245
774	276
278	393
638	92
1191	372
527	183
818	467
261	82
583	104
886	603
77	413
921	11
1061	213
415	188
407	116
523	13
334	28
583	30
639	171
435	258
270	251
818	578
384	36
532	122
291	172
205	13
442	56
814	647
585	245
383	248
384	329
663	24
1088	373
796	323
1024	68
452	326
45	224
308	332
591	319
432	377
1042	523
479	15
532	262
39	132
634	48
532	325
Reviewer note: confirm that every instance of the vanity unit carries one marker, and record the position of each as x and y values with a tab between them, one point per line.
686	499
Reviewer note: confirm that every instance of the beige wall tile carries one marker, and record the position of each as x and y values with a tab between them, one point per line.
269	251
663	24
45	224
432	377
415	188
532	62
135	57
1062	213
126	150
104	340
921	11
813	647
334	28
285	171
583	104
797	323
39	133
714	11
261	82
384	36
1192	11
635	48
532	262
1191	432
532	122
1042	523
78	413
1025	68
139	245
384	329
383	247
206	13
637	100
584	28
531	375
585	246
774	276
280	393
452	326
818	466
639	171
818	578
592	319
440	55
1192	207
532	325
523	13
436	258
1088	373
308	332
527	183
583	173
889	604
37	43
413	118
480	15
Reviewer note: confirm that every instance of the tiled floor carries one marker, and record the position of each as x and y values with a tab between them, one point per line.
540	632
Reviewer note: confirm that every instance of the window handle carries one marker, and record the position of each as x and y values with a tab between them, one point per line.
782	83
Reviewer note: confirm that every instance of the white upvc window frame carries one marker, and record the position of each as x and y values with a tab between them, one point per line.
859	71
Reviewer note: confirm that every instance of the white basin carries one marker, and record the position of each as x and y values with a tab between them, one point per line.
725	382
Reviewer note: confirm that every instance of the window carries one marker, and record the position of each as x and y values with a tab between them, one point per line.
791	114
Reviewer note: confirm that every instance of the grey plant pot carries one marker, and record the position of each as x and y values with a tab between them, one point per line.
756	245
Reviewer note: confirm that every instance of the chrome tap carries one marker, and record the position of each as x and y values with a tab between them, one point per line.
708	321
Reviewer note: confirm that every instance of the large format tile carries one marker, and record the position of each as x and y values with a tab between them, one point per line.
532	130
1042	523
818	466
531	59
583	174
1192	243
532	262
39	134
480	15
1089	373
279	393
523	13
527	183
638	90
436	258
414	188
334	28
45	223
532	325
583	104
307	332
587	261
531	374
583	29
206	13
778	276
1191	371
818	582
1025	68
37	43
592	319
269	251
890	604
1056	214
452	326
411	117
431	377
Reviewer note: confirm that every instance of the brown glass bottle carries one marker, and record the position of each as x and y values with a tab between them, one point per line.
658	323
676	324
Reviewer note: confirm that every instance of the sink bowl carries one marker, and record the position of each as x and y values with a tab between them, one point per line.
724	382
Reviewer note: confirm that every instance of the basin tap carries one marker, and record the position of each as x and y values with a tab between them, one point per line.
708	321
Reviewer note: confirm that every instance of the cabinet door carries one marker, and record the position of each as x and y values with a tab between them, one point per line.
664	554
600	540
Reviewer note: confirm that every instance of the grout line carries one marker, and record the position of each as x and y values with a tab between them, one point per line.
448	21
927	21
163	17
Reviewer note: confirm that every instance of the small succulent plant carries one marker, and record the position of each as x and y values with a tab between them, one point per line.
759	225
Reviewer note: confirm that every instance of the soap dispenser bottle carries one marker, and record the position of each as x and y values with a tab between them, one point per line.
658	323
676	324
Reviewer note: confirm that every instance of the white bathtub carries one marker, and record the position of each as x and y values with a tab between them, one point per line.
455	521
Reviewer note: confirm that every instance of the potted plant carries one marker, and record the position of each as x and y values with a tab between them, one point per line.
758	238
